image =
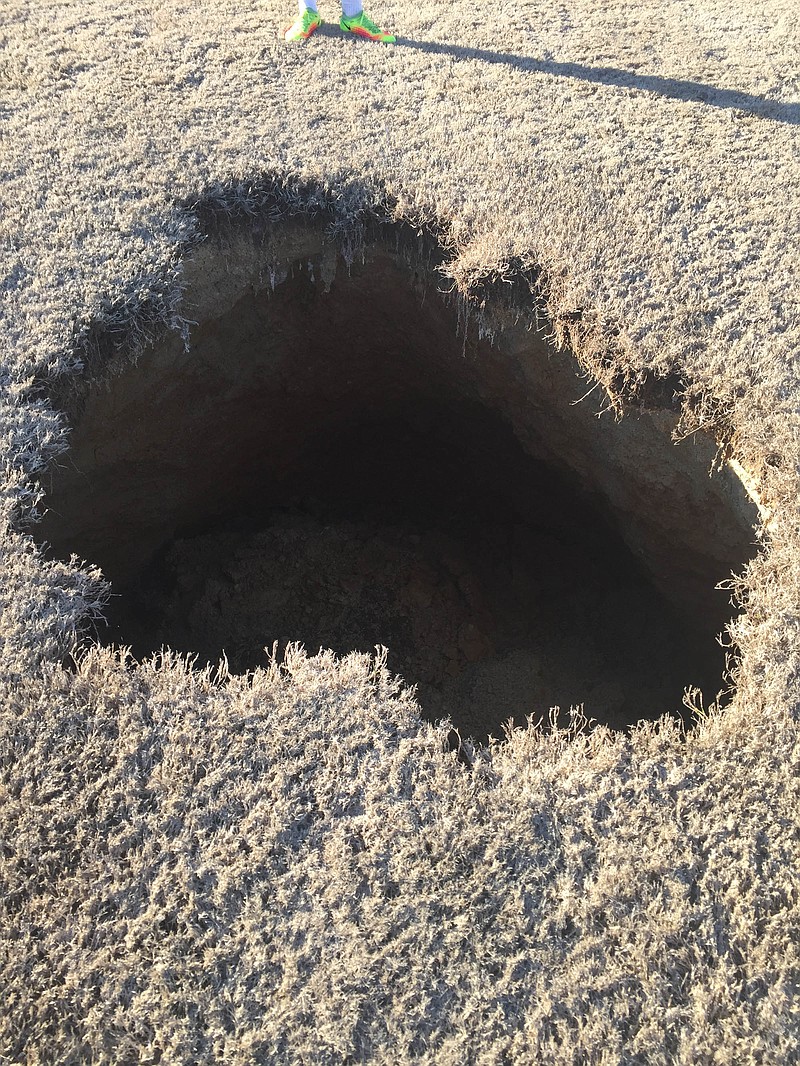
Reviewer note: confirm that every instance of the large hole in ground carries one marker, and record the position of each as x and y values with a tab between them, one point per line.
330	463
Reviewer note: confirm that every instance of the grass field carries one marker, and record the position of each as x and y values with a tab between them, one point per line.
293	865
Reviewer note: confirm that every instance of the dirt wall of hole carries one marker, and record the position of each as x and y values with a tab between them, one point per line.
294	353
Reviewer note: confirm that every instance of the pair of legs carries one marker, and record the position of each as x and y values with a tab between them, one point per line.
353	21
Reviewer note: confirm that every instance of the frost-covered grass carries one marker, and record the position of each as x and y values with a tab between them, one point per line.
291	867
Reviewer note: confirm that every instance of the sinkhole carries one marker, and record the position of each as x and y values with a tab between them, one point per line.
331	462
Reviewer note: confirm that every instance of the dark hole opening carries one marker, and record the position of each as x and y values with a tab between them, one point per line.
331	467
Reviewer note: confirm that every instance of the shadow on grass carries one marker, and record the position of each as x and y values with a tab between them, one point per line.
672	88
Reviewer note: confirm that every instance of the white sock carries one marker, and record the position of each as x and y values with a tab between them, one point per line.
306	5
351	8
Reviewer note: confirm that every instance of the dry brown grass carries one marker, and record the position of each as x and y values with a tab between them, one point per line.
290	867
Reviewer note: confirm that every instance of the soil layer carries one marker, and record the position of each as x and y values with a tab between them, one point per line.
332	462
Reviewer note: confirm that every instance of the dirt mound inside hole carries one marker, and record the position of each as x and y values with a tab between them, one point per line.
429	553
331	463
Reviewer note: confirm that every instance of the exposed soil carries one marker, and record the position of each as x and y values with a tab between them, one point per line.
491	621
416	533
330	464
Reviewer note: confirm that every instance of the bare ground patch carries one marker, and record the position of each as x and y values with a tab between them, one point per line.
337	458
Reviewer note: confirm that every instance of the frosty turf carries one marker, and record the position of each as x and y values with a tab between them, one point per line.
290	865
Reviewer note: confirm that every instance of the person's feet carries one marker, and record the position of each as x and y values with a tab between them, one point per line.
302	27
362	26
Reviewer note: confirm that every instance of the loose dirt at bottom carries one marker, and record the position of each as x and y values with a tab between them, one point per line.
489	621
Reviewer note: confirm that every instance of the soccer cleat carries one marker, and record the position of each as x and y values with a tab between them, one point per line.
303	26
361	26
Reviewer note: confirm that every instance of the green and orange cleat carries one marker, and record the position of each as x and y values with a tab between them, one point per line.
303	26
364	27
